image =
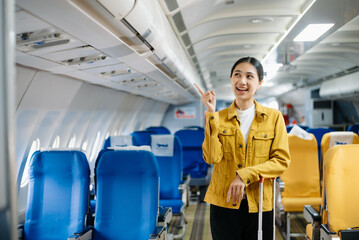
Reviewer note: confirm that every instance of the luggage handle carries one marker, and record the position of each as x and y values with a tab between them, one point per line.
260	210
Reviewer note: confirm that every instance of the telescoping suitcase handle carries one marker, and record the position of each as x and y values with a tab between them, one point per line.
260	212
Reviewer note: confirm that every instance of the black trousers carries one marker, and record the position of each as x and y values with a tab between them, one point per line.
233	224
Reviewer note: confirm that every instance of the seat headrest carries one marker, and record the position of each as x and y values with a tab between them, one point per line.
159	130
340	138
132	148
162	145
191	137
121	141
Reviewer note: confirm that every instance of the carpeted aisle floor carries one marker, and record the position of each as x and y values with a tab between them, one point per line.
198	228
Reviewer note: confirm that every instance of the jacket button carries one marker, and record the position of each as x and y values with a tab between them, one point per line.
240	145
224	131
239	165
212	117
248	181
265	135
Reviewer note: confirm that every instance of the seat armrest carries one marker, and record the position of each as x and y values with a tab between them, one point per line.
184	184
84	235
310	214
280	185
20	231
165	215
325	234
159	235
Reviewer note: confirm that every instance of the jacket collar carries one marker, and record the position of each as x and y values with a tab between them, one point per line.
260	110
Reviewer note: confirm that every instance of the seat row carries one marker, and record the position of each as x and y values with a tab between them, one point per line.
174	191
320	132
127	192
301	184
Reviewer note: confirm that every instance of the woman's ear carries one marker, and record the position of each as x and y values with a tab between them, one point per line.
260	84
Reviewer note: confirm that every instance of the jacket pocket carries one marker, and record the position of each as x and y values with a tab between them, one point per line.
262	143
227	137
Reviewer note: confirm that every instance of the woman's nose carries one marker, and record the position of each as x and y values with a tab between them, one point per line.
242	80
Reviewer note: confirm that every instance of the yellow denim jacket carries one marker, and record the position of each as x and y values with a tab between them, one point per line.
266	154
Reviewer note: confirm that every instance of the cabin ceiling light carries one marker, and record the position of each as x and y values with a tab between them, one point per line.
312	32
261	20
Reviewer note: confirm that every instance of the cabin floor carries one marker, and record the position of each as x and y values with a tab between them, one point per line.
198	227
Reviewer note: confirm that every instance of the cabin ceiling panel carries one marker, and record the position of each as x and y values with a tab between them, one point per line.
211	34
217	32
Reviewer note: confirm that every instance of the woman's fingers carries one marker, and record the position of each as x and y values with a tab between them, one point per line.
199	89
213	93
235	191
229	193
235	197
208	98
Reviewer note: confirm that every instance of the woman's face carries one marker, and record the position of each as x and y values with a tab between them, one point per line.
245	82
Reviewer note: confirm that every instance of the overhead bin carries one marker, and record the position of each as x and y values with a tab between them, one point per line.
346	85
147	22
136	34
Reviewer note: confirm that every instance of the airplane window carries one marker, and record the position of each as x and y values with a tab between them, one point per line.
115	133
94	147
25	175
72	141
56	142
84	144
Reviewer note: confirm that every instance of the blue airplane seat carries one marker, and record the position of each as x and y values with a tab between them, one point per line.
127	190
193	163
304	127
141	138
354	128
58	194
174	191
319	133
168	152
159	130
301	126
118	141
194	127
289	128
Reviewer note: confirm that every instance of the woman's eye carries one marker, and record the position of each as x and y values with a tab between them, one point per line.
250	76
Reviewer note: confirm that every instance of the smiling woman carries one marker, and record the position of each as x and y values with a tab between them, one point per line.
262	151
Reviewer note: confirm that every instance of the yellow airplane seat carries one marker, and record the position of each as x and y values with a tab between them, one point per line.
301	179
340	208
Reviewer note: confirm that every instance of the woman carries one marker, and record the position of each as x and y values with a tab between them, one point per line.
244	141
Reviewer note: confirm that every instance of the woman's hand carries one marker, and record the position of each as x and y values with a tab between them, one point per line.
208	99
236	190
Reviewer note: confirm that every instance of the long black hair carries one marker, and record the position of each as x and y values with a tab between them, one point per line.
257	64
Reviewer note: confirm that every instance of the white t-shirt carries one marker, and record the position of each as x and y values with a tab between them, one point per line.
246	118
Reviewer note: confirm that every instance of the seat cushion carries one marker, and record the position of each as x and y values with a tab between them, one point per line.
176	204
297	204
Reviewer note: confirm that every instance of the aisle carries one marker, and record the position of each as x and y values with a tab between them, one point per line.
198	228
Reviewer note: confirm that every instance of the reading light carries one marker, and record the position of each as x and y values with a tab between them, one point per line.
312	32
